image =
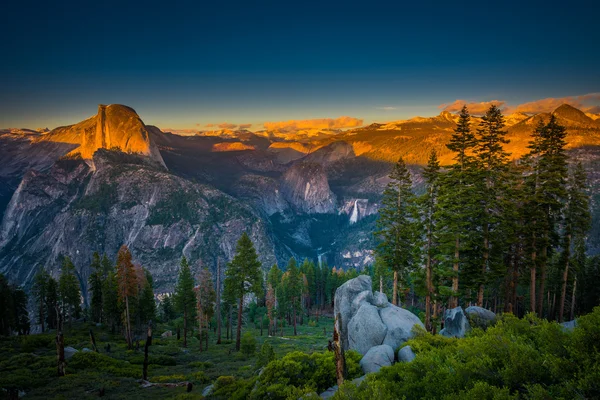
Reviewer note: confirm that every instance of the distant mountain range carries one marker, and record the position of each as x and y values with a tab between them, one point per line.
111	179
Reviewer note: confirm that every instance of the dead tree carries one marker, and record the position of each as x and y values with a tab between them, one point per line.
93	340
338	351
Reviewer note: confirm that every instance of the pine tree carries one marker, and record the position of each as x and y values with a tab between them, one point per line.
428	205
492	160
185	298
147	304
95	287
456	196
167	309
110	301
68	289
293	289
243	276
271	303
21	316
127	282
308	270
577	224
40	294
51	302
205	301
396	228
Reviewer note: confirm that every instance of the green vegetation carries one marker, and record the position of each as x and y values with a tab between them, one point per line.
101	200
178	206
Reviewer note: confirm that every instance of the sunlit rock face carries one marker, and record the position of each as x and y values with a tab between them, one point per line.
114	127
306	188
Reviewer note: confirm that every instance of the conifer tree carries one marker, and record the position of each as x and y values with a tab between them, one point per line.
127	282
147	304
492	160
243	276
308	270
95	287
110	301
40	294
68	289
270	302
51	302
396	230
293	289
428	205
205	301
167	309
185	298
577	224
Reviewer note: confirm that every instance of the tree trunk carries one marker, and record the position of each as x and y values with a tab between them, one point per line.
340	359
200	327
128	327
60	345
294	317
238	337
486	256
565	278
146	347
93	340
540	304
380	283
218	302
435	313
395	290
185	327
573	300
453	303
42	313
532	283
429	282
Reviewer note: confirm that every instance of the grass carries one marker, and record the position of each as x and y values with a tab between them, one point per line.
29	363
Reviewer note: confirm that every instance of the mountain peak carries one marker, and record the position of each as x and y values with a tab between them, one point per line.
571	113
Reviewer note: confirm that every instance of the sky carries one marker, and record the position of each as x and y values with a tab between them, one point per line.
197	65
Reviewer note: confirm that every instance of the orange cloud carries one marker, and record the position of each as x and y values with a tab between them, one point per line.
551	103
476	108
227	125
322	123
244	126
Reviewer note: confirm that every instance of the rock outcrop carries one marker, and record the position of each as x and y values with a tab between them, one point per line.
480	317
370	322
456	323
306	188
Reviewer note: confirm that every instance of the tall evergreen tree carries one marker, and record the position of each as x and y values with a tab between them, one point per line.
292	280
127	282
185	298
205	301
110	301
40	294
51	302
577	224
243	276
69	292
95	287
147	304
396	228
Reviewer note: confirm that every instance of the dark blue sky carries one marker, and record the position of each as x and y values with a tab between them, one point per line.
183	65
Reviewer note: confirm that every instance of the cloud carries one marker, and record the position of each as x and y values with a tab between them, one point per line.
586	102
322	123
244	126
224	125
475	108
386	108
209	125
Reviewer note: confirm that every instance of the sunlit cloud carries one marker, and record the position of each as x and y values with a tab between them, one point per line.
322	123
587	102
386	108
476	108
245	126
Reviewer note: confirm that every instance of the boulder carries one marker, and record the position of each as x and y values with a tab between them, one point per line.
207	391
366	329
406	354
359	380
569	325
377	357
166	334
70	352
86	350
380	299
400	323
480	317
329	393
455	323
344	295
363	297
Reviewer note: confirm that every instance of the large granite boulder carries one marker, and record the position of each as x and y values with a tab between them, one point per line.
406	354
363	297
480	317
366	329
377	357
344	296
455	323
400	323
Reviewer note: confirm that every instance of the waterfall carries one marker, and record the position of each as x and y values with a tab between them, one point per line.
354	215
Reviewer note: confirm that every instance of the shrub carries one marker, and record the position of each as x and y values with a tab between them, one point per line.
30	343
266	355
101	362
154	359
248	344
168	378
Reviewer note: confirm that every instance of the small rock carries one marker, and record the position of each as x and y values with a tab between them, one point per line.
569	325
406	354
380	299
86	350
455	323
329	392
166	334
480	317
208	390
70	352
377	357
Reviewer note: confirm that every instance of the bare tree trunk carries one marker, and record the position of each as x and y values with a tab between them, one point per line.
395	290
128	327
540	304
380	283
573	299
565	278
93	340
218	302
340	359
429	284
453	303
238	337
60	345
486	256
146	347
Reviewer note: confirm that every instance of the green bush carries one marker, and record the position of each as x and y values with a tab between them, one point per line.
154	359
266	355
248	344
30	343
104	363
